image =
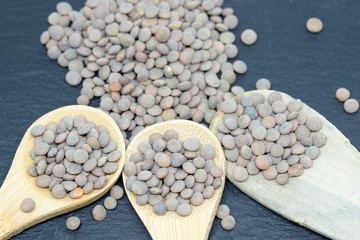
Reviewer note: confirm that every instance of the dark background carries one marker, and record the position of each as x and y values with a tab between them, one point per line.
307	66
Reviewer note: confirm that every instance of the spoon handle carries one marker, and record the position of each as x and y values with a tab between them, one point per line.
13	191
12	219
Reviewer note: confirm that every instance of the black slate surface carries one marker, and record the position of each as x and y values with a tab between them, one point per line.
306	66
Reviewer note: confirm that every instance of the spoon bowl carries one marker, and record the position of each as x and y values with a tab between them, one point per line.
326	197
197	225
19	185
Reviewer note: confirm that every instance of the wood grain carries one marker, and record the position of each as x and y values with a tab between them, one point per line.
172	226
326	197
19	185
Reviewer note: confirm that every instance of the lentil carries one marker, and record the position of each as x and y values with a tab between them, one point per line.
351	105
183	209
73	223
248	37
282	179
99	213
240	174
110	203
263	84
228	222
342	94
314	25
116	192
27	205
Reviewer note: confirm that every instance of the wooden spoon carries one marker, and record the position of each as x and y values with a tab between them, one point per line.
19	185
326	197
197	225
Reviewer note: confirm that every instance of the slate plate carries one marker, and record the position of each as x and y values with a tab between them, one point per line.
306	66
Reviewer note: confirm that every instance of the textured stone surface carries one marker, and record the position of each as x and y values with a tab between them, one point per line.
285	53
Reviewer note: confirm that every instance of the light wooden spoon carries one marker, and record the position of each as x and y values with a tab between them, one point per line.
326	197
197	225
19	185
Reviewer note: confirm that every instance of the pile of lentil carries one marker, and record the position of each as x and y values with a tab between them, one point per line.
72	156
273	137
171	174
148	61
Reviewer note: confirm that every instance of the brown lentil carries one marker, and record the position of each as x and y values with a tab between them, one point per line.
342	94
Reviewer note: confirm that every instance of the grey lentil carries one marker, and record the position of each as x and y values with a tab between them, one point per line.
27	205
99	213
73	223
184	209
228	222
58	191
222	211
160	208
319	139
240	174
110	203
351	105
207	151
263	84
313	152
38	130
142	199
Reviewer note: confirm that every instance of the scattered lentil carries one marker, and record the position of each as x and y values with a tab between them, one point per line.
263	84
116	192
314	25
222	211
342	94
73	223
248	37
110	203
228	223
27	205
99	213
351	105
